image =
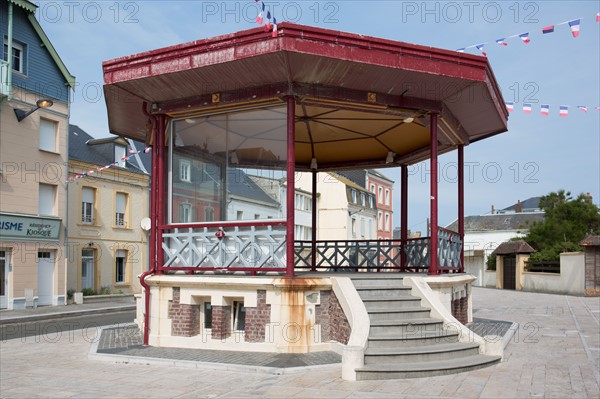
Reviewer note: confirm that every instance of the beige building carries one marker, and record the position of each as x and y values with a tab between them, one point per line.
34	116
107	245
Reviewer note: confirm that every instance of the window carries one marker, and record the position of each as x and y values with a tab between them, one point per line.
121	206
207	310
362	227
363	199
184	170
256	216
373	188
371	202
380	195
239	316
370	231
379	220
120	266
120	154
303	202
48	135
47	199
18	52
387	222
87	268
353	227
87	205
240	215
209	214
387	197
354	196
185	213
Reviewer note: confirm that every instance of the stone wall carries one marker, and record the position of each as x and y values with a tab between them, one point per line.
460	309
330	316
221	322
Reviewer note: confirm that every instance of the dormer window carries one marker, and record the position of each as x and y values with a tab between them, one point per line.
120	154
17	56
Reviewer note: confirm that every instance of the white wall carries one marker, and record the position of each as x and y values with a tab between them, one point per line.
571	279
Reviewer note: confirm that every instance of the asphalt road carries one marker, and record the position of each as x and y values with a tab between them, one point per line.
64	328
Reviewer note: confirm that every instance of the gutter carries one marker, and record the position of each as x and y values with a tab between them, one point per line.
152	244
9	55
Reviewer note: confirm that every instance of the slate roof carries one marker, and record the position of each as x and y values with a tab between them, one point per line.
529	205
101	152
513	247
241	185
359	176
499	222
590	241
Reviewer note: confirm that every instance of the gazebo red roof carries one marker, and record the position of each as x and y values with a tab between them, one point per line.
402	80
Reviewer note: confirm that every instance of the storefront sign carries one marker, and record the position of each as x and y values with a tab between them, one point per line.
16	226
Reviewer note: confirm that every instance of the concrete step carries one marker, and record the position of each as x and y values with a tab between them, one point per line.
420	353
393	302
377	276
383	292
378	283
409	340
424	369
410	326
397	313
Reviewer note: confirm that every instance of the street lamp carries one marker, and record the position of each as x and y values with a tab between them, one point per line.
42	103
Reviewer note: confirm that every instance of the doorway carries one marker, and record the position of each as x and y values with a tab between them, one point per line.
87	268
3	279
509	273
45	277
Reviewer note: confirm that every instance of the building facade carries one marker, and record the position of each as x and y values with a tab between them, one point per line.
34	116
107	244
383	188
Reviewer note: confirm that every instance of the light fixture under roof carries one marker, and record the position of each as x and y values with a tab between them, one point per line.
313	164
233	158
409	120
390	157
41	103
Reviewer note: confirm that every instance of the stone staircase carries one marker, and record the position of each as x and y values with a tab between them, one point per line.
404	341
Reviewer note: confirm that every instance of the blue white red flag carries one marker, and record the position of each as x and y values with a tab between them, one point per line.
548	29
461	50
259	18
574	24
583	108
268	24
598	17
527	108
274	34
564	110
510	106
525	37
480	48
545	109
502	42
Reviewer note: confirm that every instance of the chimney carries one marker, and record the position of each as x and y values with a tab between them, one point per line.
518	207
493	209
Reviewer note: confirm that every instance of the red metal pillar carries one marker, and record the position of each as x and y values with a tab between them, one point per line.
433	209
291	186
313	257
160	191
461	204
403	215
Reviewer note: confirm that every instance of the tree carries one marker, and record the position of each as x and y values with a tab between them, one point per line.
567	221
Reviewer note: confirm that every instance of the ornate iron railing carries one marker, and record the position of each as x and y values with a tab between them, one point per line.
240	247
449	249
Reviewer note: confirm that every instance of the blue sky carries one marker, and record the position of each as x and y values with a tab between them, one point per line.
537	155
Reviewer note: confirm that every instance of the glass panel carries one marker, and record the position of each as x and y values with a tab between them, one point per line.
217	160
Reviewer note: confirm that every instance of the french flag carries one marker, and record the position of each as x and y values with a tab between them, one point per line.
268	24
598	17
527	108
274	34
574	24
502	42
480	48
525	37
564	110
461	50
545	109
583	108
510	106
259	19
548	29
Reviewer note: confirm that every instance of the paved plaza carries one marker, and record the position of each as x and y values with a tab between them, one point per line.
555	352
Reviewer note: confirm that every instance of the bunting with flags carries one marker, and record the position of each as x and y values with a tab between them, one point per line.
101	169
267	18
545	108
574	25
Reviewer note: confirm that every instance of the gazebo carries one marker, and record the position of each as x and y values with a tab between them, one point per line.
309	100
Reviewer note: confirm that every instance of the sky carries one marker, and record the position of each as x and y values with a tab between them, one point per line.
539	154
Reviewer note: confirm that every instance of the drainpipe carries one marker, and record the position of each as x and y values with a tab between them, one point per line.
9	55
153	226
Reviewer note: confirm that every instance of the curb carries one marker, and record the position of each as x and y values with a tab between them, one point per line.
61	315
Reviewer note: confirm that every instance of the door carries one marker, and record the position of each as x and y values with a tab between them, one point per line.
3	280
87	268
509	273
45	277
